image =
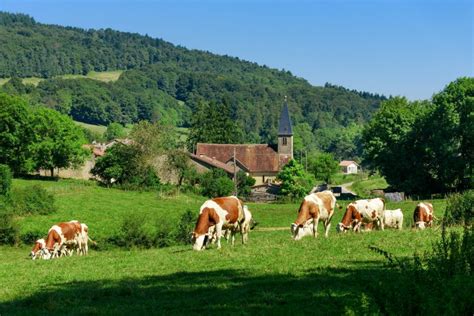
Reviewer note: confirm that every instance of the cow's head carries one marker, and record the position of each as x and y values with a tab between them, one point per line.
300	231
200	241
420	225
341	228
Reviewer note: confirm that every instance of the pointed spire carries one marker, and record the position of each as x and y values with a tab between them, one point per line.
284	128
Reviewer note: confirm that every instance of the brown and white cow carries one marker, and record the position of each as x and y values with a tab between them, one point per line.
61	237
362	211
224	213
315	207
423	215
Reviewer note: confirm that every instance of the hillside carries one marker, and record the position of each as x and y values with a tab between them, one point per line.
161	81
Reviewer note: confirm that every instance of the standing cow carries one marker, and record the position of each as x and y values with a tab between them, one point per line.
315	207
393	218
362	211
224	213
423	215
61	237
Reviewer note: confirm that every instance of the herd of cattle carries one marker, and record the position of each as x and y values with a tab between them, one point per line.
225	216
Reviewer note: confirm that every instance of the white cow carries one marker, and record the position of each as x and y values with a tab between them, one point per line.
393	218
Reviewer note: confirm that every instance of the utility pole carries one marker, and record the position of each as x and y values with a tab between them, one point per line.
235	175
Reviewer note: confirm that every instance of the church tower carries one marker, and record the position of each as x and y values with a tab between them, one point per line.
285	134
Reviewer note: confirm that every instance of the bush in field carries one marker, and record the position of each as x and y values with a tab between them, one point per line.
460	208
244	184
185	227
134	234
30	237
32	200
445	273
216	183
5	179
9	230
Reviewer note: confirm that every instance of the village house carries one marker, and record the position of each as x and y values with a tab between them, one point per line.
349	166
260	161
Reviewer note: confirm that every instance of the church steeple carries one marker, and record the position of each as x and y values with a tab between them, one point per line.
285	134
284	129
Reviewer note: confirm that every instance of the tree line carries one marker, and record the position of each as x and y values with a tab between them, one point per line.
425	147
170	83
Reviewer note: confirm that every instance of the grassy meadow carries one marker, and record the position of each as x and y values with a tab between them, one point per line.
272	274
104	76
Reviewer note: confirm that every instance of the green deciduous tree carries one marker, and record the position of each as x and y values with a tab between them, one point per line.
57	141
15	133
216	183
323	166
244	183
114	130
295	182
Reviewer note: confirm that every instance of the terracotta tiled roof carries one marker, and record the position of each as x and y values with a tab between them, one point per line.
214	163
346	163
254	157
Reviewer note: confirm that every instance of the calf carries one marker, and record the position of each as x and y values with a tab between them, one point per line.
315	207
362	211
224	213
393	219
423	215
37	251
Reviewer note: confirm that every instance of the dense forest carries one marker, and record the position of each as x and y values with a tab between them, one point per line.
165	82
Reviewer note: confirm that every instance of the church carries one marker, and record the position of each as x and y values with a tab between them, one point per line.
260	161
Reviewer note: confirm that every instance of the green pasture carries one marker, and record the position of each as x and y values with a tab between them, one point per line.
104	76
271	275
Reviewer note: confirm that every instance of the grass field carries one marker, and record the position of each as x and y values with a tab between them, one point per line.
271	275
362	187
104	76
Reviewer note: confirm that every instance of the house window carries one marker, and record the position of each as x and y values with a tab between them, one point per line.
284	141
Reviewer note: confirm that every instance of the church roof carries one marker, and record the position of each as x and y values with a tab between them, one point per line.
253	157
284	128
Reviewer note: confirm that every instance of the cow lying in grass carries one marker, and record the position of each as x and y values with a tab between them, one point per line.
362	211
315	207
223	213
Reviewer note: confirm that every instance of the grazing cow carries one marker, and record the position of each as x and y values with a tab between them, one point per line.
245	227
362	211
393	219
61	237
423	215
37	250
224	213
315	207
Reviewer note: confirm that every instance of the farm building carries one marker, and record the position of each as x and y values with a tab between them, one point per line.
349	166
260	161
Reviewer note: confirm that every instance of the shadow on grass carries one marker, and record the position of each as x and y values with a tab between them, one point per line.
324	291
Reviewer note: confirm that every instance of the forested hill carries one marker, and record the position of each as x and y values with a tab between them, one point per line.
162	81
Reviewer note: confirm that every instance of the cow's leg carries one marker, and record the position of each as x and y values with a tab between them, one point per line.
381	223
327	225
315	226
219	234
357	226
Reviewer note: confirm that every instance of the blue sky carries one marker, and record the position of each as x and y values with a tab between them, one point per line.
395	47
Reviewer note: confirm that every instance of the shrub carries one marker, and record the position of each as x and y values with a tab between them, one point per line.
33	200
216	183
163	235
30	237
134	234
185	227
445	272
9	230
460	208
5	179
